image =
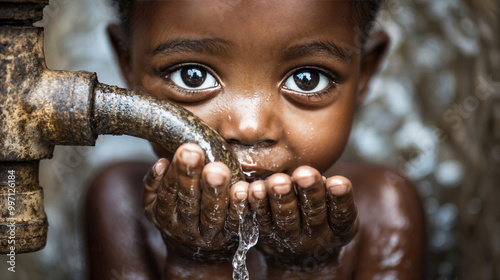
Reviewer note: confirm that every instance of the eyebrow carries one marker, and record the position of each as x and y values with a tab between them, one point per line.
207	45
314	47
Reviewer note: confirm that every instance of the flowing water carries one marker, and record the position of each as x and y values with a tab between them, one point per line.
248	233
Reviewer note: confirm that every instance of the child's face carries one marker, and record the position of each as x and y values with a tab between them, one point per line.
277	79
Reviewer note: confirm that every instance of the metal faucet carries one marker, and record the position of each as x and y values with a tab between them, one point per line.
41	108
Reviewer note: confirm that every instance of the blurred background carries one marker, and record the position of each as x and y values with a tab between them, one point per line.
433	115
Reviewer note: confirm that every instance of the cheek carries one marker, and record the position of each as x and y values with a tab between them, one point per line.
318	138
144	81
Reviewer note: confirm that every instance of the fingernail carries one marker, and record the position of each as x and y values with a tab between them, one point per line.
259	191
190	158
337	187
305	178
338	190
158	168
282	189
281	185
240	192
215	179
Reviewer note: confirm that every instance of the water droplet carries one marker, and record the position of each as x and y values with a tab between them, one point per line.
248	233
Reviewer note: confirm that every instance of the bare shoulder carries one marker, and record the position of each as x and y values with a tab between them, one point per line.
115	225
115	188
118	177
392	224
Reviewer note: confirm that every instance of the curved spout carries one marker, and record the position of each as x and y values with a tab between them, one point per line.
118	111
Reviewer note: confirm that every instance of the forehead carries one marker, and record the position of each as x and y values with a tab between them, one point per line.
247	23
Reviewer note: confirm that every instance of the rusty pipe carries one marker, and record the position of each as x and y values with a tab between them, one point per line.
41	108
118	111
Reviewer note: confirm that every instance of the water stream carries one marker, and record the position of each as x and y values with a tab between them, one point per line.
248	233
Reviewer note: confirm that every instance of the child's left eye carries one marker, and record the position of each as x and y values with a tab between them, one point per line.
193	77
307	81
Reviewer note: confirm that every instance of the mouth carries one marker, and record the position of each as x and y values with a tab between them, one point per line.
255	163
253	174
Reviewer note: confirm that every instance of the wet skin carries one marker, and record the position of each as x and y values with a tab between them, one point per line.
283	94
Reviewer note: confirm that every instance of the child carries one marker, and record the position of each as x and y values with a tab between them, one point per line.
280	81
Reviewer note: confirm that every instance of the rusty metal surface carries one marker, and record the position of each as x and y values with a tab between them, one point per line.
23	223
40	108
21	61
21	12
62	102
118	111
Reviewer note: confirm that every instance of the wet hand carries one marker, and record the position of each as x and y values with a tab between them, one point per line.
194	206
304	219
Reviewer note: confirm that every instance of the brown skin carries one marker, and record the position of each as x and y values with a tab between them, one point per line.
285	139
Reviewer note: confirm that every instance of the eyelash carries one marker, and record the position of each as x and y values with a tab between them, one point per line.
329	74
165	73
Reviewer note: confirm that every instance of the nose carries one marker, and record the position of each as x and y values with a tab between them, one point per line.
251	122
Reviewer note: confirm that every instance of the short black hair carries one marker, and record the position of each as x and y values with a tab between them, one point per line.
366	12
124	10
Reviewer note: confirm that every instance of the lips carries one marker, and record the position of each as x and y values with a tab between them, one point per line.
254	174
260	162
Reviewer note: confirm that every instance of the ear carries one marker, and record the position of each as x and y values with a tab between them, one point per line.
122	51
373	54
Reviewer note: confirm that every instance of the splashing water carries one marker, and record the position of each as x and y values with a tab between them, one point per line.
248	233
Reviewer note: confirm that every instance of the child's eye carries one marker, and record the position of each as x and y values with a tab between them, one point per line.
307	81
193	77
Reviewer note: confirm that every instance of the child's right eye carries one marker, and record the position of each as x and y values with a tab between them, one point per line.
193	78
189	82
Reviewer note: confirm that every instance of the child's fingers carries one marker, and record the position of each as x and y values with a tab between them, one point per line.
342	210
152	181
238	198
259	204
311	193
214	198
155	196
284	205
185	172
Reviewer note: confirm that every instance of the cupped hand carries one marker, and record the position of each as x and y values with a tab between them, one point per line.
194	206
304	219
